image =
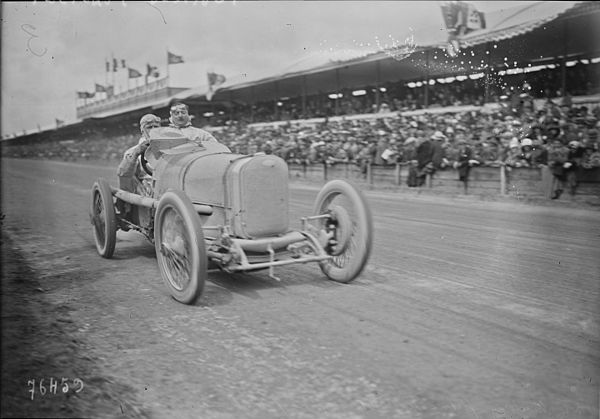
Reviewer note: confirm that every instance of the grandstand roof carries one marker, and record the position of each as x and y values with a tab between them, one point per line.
514	21
524	34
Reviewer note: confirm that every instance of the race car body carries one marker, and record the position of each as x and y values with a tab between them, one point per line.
200	203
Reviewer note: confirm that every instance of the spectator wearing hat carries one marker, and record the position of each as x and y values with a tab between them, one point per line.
438	157
514	157
408	149
391	154
488	155
424	158
558	155
382	145
526	152
464	162
573	163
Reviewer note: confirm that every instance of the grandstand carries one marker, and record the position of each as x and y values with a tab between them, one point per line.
522	57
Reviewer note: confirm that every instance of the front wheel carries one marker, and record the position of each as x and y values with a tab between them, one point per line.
349	227
180	248
103	218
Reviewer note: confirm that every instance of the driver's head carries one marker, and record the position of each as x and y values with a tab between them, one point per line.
179	115
147	122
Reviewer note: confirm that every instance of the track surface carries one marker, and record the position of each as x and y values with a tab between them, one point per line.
466	310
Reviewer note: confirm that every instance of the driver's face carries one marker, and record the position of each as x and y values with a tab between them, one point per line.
180	115
151	125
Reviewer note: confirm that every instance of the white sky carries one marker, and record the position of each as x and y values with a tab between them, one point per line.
51	50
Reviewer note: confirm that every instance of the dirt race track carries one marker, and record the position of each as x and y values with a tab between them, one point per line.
467	309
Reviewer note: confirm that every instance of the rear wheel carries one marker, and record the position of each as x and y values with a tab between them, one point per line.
349	226
104	219
180	247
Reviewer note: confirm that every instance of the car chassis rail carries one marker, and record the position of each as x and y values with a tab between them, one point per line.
148	202
295	241
292	241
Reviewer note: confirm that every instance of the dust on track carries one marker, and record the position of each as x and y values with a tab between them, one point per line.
38	342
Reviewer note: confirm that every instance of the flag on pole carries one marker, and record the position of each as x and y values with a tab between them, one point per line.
152	71
475	19
133	73
174	59
214	81
123	64
461	17
85	95
115	65
59	122
100	88
107	67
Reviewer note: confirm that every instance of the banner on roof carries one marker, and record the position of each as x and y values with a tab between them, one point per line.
461	17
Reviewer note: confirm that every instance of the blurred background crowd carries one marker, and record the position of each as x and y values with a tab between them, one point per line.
521	130
527	138
581	79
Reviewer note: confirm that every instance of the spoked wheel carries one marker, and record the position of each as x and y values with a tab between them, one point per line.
180	247
349	227
103	218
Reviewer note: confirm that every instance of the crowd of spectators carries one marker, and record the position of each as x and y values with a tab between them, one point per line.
581	79
558	134
109	148
495	138
563	138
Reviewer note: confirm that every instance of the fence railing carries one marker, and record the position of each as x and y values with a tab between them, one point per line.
482	180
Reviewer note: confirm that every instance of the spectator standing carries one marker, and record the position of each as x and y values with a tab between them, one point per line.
424	154
539	153
558	155
464	162
382	145
438	157
571	166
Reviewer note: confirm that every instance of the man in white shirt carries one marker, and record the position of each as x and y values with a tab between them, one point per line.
180	119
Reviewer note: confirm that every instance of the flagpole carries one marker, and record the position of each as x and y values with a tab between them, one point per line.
168	74
113	72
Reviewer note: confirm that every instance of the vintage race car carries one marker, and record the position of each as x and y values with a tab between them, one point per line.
203	206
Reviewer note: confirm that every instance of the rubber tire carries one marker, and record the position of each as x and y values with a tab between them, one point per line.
363	225
178	202
105	237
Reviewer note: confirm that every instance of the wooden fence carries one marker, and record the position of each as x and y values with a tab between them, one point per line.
485	181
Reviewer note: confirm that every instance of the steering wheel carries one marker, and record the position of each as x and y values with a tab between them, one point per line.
145	164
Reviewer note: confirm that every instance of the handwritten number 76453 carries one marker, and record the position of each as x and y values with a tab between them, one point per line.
29	30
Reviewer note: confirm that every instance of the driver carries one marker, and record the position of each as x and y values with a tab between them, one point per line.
129	166
180	120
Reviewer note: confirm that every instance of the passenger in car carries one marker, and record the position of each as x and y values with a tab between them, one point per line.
180	119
